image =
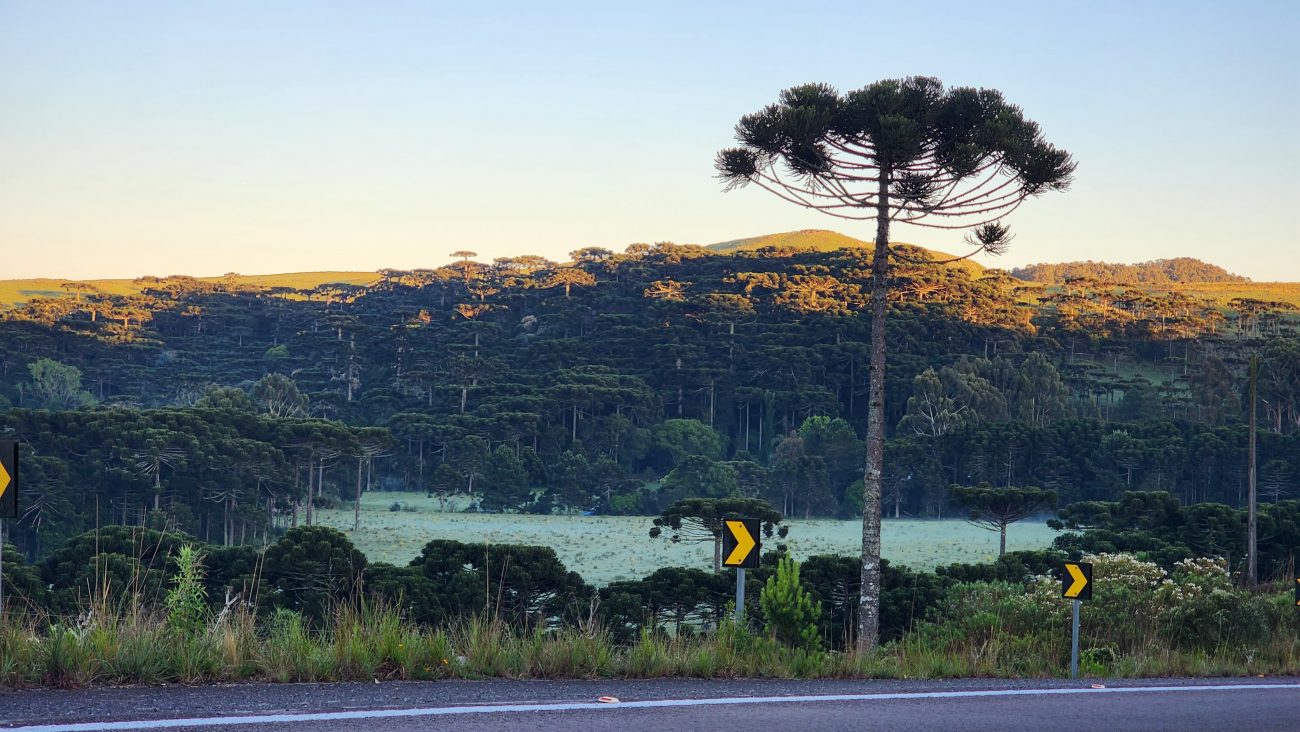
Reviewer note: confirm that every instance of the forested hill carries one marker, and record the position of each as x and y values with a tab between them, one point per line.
1159	272
620	381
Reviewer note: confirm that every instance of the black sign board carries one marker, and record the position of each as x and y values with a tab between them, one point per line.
740	543
1076	582
8	479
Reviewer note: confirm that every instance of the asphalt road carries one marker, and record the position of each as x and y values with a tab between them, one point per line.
969	704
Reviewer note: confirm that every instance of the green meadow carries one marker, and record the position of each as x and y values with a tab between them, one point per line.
604	549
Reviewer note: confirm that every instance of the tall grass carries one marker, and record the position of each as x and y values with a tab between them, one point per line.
1140	623
376	643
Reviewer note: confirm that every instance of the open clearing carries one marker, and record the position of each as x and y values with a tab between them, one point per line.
607	548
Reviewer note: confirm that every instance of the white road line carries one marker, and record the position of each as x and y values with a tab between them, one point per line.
649	704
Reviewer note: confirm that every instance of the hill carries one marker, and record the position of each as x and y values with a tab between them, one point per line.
17	292
534	386
1179	270
823	240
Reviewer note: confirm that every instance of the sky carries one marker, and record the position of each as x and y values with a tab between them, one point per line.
258	137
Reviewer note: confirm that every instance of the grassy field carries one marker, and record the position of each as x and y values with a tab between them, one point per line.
607	548
822	240
17	292
1222	292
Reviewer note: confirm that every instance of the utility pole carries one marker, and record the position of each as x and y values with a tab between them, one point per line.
1252	575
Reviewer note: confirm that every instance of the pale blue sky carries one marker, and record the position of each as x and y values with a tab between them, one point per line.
206	137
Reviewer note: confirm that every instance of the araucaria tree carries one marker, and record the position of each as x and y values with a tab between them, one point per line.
997	508
897	151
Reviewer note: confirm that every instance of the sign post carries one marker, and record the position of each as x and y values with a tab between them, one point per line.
8	501
1297	591
740	549
1076	585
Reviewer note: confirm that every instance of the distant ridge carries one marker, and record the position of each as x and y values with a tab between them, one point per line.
16	292
824	240
821	240
1179	270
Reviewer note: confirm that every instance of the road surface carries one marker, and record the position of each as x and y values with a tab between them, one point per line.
969	704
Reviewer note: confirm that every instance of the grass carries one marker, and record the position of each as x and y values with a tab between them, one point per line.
604	549
823	240
376	643
1141	622
17	292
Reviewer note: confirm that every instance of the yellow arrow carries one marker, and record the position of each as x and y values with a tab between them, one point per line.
744	543
1080	581
5	480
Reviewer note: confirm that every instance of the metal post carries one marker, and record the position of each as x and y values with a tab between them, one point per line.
740	595
1074	643
2	568
1252	572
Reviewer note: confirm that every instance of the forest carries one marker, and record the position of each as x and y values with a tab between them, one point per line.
622	382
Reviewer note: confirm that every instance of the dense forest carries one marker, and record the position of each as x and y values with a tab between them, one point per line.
1157	272
620	382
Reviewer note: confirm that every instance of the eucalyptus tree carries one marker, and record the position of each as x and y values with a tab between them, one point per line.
896	151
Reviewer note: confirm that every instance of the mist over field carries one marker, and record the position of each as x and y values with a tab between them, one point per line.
608	548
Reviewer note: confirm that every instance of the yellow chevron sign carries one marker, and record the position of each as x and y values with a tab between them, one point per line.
740	544
1077	582
8	480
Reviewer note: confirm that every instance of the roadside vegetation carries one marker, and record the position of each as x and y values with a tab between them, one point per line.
159	609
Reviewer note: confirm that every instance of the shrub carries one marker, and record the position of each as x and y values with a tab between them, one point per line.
310	568
186	601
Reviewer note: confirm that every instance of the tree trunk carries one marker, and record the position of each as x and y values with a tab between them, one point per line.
717	554
869	598
356	518
1002	543
1252	576
310	494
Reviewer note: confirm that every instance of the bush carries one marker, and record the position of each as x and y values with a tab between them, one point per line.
1217	618
312	567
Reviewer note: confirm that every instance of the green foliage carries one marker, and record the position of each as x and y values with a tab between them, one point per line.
790	613
278	396
115	563
1156	527
676	598
186	601
1156	272
226	397
23	588
1013	567
697	476
683	438
522	585
57	385
1206	613
311	569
